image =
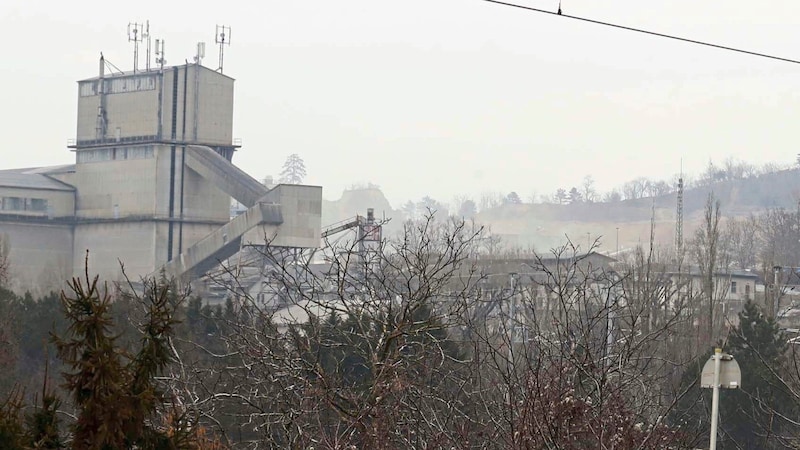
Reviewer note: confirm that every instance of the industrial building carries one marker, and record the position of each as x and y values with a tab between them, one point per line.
151	186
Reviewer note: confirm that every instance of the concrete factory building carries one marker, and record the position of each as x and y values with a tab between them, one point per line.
151	186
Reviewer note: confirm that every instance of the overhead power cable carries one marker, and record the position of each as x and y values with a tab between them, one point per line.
639	30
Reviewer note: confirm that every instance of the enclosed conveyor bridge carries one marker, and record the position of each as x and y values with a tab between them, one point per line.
286	215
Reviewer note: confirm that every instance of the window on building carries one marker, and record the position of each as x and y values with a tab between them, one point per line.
13	204
140	152
38	204
114	154
129	84
97	155
23	204
733	287
747	291
88	88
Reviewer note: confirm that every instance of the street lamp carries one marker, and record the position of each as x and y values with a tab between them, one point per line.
721	371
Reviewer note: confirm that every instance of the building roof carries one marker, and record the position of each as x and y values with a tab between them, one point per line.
695	271
153	70
34	178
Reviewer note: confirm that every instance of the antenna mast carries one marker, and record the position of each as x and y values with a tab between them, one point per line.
201	53
223	38
147	36
679	219
160	60
135	34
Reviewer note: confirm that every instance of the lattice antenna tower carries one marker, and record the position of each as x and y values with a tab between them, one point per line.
223	38
135	34
679	219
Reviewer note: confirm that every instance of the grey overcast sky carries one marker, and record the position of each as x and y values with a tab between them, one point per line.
437	97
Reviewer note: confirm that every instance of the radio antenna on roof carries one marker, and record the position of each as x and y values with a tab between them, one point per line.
160	58
223	38
135	34
147	36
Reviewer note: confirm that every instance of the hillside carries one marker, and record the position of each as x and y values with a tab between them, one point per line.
355	202
546	225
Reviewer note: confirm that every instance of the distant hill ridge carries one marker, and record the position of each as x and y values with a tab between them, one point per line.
544	224
355	202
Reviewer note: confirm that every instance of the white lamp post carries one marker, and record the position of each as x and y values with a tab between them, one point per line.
721	371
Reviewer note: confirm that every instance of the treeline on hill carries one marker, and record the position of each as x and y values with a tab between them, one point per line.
412	342
751	185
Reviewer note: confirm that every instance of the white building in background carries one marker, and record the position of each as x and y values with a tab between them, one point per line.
152	184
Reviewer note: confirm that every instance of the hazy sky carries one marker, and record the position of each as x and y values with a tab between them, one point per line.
437	97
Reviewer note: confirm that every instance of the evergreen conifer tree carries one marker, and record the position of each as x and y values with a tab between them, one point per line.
754	414
114	391
294	170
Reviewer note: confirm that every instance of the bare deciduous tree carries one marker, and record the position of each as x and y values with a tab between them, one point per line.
739	241
575	365
587	189
415	343
706	248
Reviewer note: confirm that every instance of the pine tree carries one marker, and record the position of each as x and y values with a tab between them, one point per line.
115	392
43	423
294	170
753	415
97	378
575	196
12	431
756	411
513	199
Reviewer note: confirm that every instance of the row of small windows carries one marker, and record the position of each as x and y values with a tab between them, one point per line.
114	154
24	204
118	85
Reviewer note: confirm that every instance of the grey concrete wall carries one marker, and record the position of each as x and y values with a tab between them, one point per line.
131	184
135	113
141	188
192	233
206	94
41	255
215	105
301	208
87	117
202	200
131	242
169	78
